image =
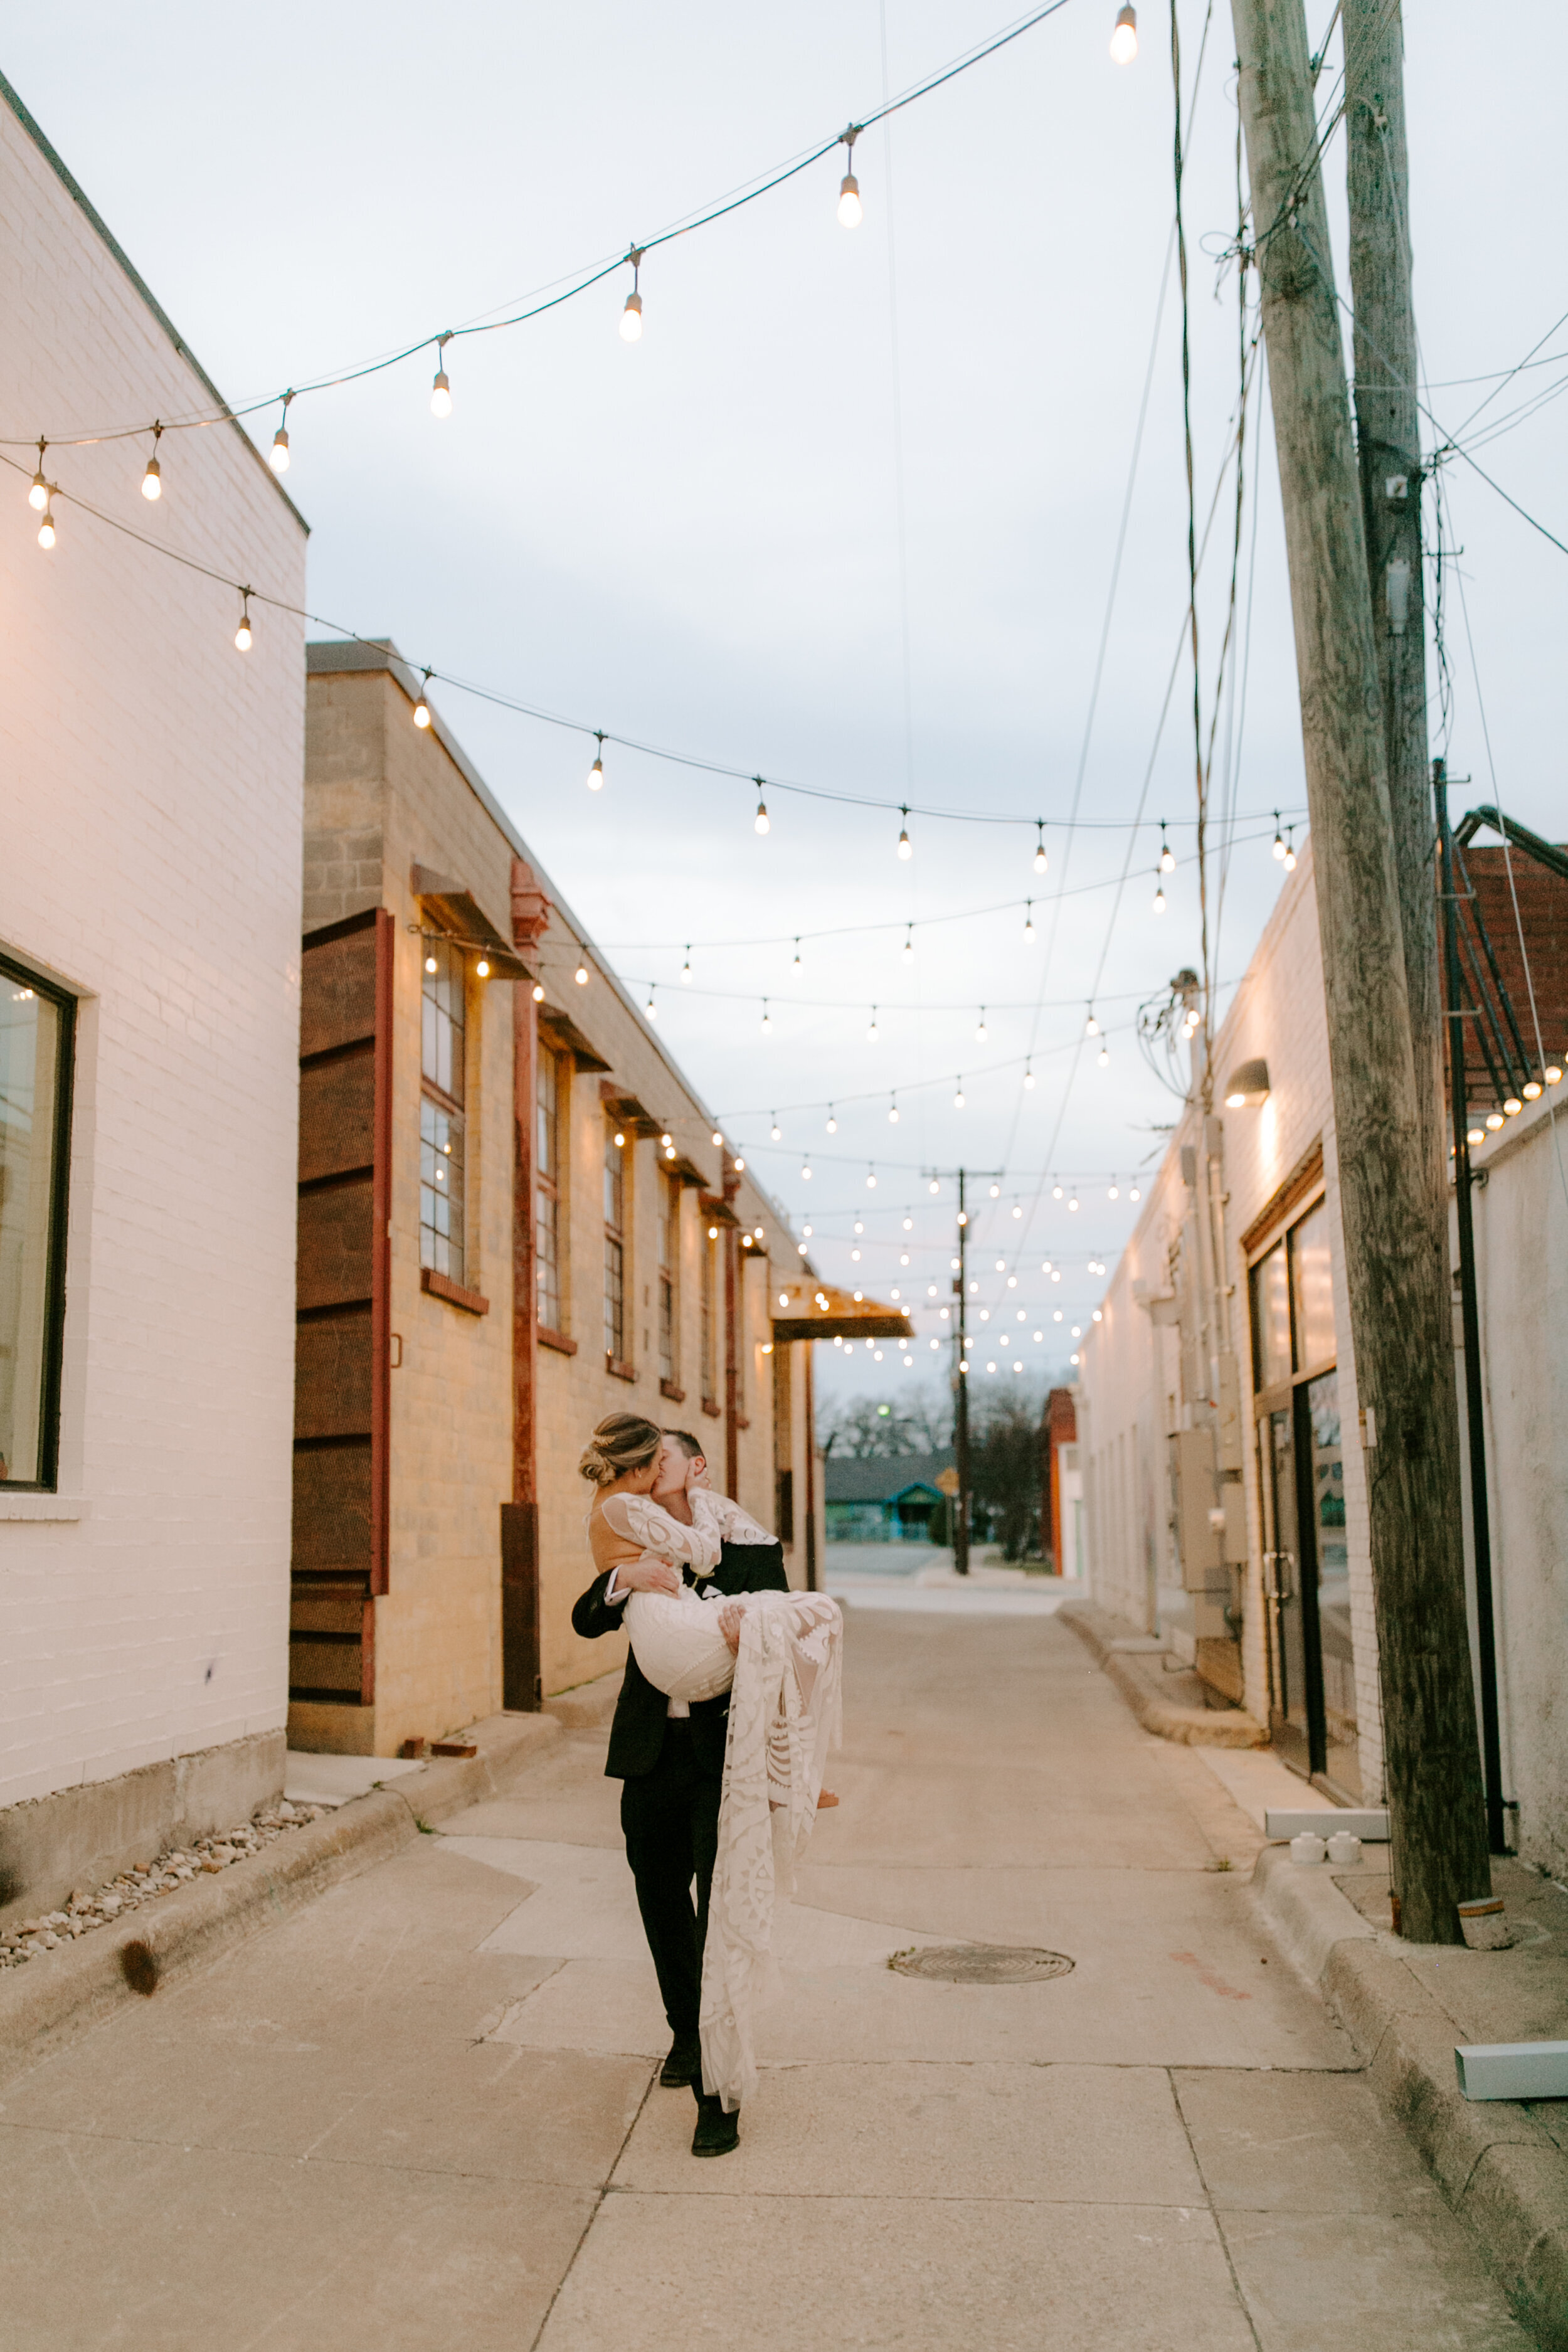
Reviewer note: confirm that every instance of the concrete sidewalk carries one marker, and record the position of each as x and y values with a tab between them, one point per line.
424	2113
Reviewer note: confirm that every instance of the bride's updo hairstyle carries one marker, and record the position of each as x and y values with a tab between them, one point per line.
623	1441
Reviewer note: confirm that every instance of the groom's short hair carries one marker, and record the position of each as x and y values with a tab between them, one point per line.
687	1444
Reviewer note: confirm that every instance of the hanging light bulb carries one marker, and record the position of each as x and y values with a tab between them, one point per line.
1041	860
441	391
981	1032
718	1139
242	634
1134	1194
832	1122
1114	1193
38	491
431	964
1056	1191
893	1113
1091	1026
1028	918
631	317
422	707
958	1105
760	822
483	968
1028	1079
650	1008
1288	860
152	480
850	213
46	528
797	965
686	966
581	974
997	1195
908	944
871	1181
596	772
873	1032
1278	839
539	991
278	455
1167	861
1159	895
767	1024
1124	39
905	848
776	1130
1103	1059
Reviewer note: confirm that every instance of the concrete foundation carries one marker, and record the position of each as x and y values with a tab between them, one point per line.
79	1837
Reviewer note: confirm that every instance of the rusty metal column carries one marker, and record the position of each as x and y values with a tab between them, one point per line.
521	1661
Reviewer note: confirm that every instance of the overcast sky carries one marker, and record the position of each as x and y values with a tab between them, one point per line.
846	515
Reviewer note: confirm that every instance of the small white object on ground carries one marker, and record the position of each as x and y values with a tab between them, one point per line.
1343	1849
1512	2070
1308	1848
1485	1924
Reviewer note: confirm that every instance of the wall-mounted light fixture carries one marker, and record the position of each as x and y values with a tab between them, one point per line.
1248	1086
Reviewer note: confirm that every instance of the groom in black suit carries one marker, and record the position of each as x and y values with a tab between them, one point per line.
670	1761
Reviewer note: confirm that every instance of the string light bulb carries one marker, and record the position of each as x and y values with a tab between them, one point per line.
1278	839
46	528
760	822
441	391
776	1131
1135	1194
718	1139
152	480
581	974
1288	860
767	1020
850	210
483	967
1159	899
1028	1079
39	491
1041	860
650	1008
1167	859
596	772
278	455
631	316
893	1112
871	1180
431	964
908	944
981	1032
539	991
832	1122
873	1032
905	848
1028	918
958	1105
686	966
1103	1059
1091	1026
1124	36
797	965
242	635
422	707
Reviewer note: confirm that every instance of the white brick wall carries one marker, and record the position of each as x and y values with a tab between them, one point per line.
153	782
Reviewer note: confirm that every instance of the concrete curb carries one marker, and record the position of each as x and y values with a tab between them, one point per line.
587	1706
1500	2169
1192	1727
53	1999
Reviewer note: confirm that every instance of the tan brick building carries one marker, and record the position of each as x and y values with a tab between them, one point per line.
514	1218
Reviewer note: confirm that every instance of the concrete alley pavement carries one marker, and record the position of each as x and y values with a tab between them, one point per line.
424	2112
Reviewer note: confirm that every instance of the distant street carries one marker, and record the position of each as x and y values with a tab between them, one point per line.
422	2114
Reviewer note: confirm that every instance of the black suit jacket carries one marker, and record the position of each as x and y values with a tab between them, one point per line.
636	1734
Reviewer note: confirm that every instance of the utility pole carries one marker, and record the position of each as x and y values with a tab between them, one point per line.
1401	1331
1388	444
962	1500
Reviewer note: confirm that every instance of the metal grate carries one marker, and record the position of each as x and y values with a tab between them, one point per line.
982	1964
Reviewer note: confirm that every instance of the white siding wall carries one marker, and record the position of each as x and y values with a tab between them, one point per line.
153	781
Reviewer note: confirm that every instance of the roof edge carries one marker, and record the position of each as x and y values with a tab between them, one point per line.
84	204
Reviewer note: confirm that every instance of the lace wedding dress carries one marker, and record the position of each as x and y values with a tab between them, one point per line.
785	1713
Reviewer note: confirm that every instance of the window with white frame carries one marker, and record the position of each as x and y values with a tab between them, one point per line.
36	1032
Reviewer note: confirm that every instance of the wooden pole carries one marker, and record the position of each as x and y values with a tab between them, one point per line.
1400	1318
1388	445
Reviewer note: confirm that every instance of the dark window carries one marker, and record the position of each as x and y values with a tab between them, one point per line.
441	1057
36	1029
709	1317
668	1272
614	1245
547	1182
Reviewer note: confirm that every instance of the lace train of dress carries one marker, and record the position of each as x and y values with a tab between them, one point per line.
784	1715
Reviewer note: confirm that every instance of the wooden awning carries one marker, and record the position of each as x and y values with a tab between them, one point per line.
820	1310
454	913
558	1029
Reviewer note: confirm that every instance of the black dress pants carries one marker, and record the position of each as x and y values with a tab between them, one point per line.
671	1820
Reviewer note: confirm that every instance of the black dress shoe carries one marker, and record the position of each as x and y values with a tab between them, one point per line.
716	2132
684	2064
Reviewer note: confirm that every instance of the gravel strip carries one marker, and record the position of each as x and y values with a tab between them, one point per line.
133	1889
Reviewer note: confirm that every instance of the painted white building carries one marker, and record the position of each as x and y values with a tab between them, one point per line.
150	896
1219	1424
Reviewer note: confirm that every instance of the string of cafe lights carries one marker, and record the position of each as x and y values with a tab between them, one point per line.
575	283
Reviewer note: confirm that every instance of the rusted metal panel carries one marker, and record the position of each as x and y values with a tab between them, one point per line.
337	1112
333	1373
332	1520
338	1245
338	983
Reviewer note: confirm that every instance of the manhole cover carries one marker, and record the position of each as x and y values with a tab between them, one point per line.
982	1964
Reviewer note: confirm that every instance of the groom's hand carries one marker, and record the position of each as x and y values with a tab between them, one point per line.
730	1618
648	1576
